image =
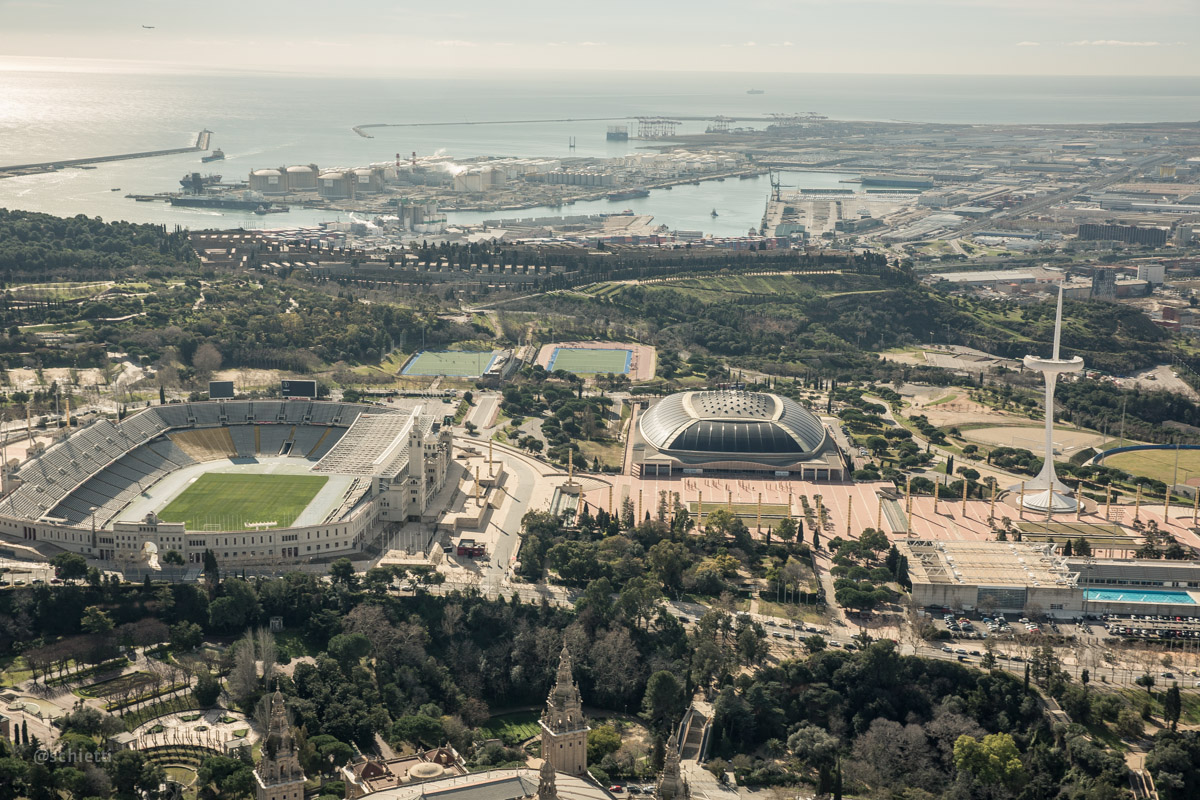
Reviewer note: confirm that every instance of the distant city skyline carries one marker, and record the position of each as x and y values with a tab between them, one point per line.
1000	37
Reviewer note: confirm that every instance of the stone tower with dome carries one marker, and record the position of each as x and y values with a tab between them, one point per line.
564	729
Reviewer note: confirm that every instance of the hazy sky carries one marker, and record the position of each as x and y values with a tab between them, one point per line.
1040	37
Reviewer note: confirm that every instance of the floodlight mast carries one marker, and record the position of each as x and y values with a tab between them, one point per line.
1046	493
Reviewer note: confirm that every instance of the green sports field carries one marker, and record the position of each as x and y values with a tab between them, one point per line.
223	501
451	363
1157	464
588	361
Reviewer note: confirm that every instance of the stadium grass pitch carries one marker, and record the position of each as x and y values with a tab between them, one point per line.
224	501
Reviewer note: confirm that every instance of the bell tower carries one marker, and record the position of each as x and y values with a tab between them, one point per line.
564	730
278	775
671	784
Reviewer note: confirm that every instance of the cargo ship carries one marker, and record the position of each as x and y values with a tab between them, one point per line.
195	182
755	91
628	194
215	155
230	203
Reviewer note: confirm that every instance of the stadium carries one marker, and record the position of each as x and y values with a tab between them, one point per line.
255	482
728	431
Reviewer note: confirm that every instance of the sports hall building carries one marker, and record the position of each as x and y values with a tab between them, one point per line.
735	432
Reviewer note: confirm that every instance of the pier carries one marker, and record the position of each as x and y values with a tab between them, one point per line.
202	143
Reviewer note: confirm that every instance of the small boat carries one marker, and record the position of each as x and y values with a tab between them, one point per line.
714	213
116	189
755	91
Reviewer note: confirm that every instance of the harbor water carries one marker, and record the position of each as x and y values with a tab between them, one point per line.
272	120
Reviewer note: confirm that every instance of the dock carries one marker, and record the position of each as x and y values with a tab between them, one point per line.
8	171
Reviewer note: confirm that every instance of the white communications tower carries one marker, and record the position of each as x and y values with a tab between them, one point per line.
1049	494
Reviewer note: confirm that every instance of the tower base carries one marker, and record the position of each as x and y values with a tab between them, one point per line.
1050	501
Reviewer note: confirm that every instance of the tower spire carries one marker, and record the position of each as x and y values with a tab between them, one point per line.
547	790
1058	324
564	729
671	784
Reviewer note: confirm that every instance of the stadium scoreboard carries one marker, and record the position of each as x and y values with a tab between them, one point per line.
220	390
306	389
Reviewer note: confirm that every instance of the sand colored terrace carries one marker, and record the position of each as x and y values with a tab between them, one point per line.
853	507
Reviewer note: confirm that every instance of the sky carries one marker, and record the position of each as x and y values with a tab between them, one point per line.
381	37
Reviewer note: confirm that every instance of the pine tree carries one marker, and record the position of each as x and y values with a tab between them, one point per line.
1172	705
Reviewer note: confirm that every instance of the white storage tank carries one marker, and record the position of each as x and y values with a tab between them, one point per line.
335	185
268	181
302	178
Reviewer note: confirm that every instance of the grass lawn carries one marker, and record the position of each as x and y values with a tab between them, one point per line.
15	671
230	501
610	451
944	399
181	774
1157	464
512	728
794	611
130	681
744	510
1189	715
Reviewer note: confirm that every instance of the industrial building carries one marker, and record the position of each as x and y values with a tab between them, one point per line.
729	431
1129	234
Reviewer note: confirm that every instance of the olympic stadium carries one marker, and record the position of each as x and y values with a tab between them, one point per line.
255	482
728	431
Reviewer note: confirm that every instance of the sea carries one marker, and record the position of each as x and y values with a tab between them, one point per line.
270	120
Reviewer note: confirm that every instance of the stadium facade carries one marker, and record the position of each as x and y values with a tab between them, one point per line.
732	431
77	493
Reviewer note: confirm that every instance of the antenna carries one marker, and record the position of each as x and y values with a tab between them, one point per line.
1058	323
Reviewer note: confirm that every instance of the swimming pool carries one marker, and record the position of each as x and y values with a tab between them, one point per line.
1139	596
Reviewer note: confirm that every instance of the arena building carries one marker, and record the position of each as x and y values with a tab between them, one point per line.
99	489
729	431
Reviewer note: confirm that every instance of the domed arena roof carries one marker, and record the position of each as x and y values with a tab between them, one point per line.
727	421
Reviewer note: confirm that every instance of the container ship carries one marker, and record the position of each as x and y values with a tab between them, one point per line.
231	203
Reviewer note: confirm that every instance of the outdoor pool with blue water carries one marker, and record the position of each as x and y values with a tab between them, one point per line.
1139	596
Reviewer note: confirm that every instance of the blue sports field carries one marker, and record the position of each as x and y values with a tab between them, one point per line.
589	361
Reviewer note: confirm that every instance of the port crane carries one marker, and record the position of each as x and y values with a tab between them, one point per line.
656	127
776	186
